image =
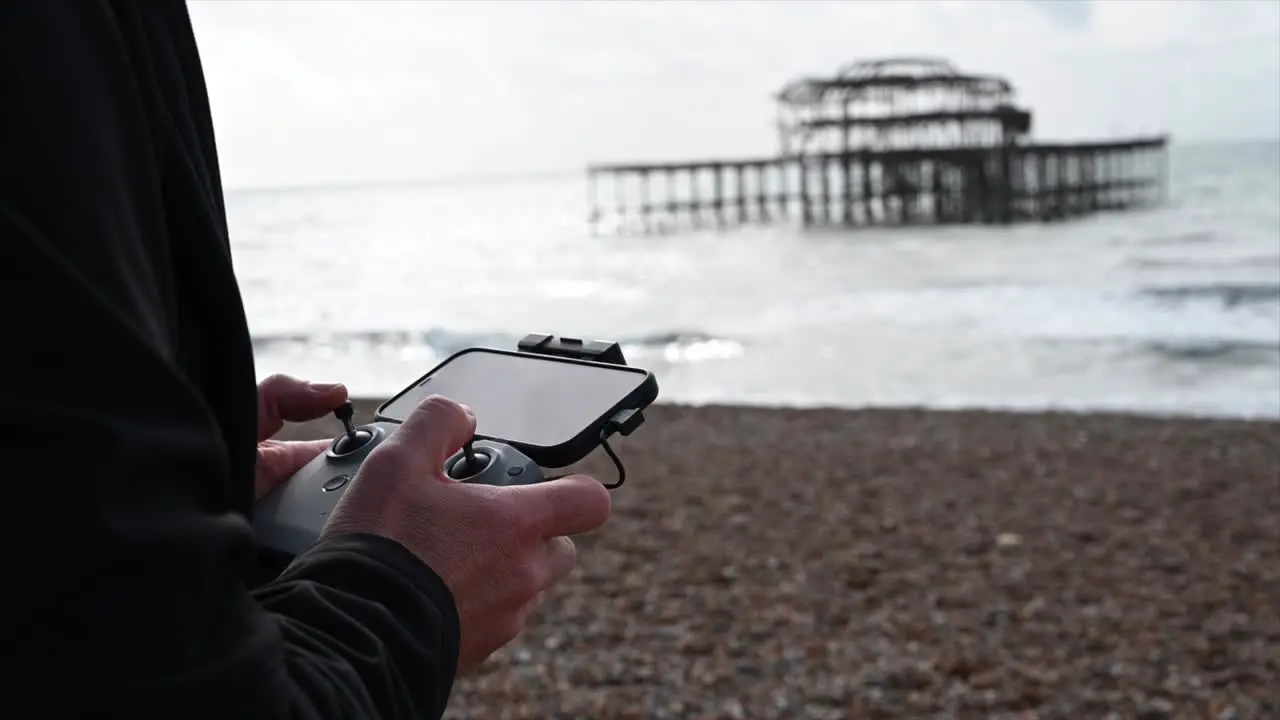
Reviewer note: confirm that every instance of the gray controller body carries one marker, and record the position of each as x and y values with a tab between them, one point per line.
290	519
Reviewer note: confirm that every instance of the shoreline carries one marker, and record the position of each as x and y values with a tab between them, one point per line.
910	563
365	406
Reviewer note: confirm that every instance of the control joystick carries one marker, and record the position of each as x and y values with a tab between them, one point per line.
484	462
352	438
469	464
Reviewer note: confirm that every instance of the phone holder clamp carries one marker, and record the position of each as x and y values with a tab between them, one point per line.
624	422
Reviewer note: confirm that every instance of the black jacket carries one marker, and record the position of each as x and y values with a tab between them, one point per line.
129	426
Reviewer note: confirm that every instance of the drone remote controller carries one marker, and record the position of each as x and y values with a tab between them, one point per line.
290	520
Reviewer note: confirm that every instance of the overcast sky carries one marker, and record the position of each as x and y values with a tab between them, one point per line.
313	92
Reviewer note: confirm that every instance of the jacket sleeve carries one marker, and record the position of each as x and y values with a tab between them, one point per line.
123	549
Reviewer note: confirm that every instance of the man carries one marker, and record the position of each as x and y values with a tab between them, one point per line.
136	442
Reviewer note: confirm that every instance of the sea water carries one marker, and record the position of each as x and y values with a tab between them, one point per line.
1171	310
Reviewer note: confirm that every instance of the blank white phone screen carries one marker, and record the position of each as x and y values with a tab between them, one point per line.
525	399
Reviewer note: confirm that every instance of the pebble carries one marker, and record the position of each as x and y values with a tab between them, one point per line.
916	565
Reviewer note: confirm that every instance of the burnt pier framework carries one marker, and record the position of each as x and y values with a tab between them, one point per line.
889	142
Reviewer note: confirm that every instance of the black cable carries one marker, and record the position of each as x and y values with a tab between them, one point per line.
617	461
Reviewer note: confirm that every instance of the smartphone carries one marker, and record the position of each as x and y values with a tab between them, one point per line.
552	409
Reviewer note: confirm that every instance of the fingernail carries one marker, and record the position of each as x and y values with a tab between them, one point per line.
324	387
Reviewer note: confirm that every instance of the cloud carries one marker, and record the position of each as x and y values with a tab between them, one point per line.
324	91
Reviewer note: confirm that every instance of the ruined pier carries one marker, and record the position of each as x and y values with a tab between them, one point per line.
888	142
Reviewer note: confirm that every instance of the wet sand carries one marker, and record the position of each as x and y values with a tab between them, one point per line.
773	563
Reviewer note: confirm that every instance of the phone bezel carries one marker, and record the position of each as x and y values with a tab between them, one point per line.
572	450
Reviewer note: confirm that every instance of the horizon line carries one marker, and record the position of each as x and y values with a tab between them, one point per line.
402	181
467	178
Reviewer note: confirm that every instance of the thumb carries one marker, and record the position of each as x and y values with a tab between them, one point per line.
437	428
282	397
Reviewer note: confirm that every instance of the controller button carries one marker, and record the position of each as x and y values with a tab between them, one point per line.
335	483
515	470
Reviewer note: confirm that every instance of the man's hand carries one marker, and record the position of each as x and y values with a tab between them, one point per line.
498	549
282	398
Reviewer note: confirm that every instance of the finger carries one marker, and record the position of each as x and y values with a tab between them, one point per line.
560	557
527	611
439	427
570	505
557	558
284	398
278	461
552	560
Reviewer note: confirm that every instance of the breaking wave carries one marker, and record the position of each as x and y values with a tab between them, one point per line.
671	346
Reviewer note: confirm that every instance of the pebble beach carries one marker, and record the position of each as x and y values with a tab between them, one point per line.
810	564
